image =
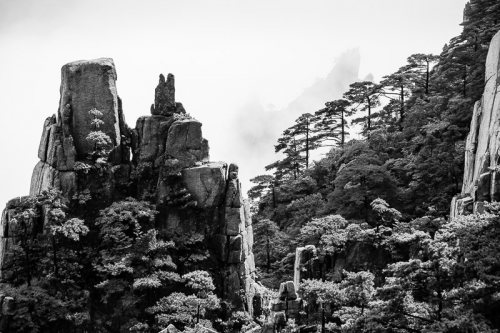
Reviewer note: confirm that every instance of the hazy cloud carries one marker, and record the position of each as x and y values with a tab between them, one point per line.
257	128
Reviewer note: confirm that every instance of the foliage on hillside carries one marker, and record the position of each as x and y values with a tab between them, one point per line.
377	205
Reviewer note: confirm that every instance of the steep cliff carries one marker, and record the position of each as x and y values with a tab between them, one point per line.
482	156
164	160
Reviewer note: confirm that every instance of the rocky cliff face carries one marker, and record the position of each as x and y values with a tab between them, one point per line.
482	151
164	160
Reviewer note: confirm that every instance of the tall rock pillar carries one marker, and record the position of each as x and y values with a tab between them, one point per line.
482	150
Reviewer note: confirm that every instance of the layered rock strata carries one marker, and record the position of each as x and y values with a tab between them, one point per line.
164	160
481	182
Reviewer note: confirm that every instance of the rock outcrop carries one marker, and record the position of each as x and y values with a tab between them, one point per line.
481	180
84	85
164	160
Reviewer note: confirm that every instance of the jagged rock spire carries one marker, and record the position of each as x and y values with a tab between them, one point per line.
164	96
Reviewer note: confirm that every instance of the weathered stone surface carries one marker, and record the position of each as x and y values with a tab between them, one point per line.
152	137
287	291
279	318
165	97
232	283
250	238
221	246
250	264
45	176
293	307
44	140
302	255
233	194
278	306
482	151
185	142
206	183
61	152
248	214
234	221
236	254
42	178
461	206
85	85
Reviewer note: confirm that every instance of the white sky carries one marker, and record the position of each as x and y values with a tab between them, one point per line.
224	54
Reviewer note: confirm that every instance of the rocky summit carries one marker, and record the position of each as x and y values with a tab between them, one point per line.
164	160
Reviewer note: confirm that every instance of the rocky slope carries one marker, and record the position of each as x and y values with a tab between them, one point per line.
482	156
164	160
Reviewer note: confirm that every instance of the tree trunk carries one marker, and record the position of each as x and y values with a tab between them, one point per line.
369	116
307	143
342	139
402	108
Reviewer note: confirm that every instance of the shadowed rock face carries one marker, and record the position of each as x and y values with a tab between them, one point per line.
169	167
482	156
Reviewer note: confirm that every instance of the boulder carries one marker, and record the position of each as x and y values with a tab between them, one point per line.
206	183
185	142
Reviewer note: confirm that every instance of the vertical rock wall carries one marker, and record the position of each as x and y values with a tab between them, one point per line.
482	156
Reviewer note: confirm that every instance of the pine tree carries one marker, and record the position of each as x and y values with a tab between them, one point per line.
421	64
364	97
397	87
331	123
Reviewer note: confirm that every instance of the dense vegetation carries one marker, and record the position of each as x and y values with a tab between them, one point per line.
376	207
102	264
